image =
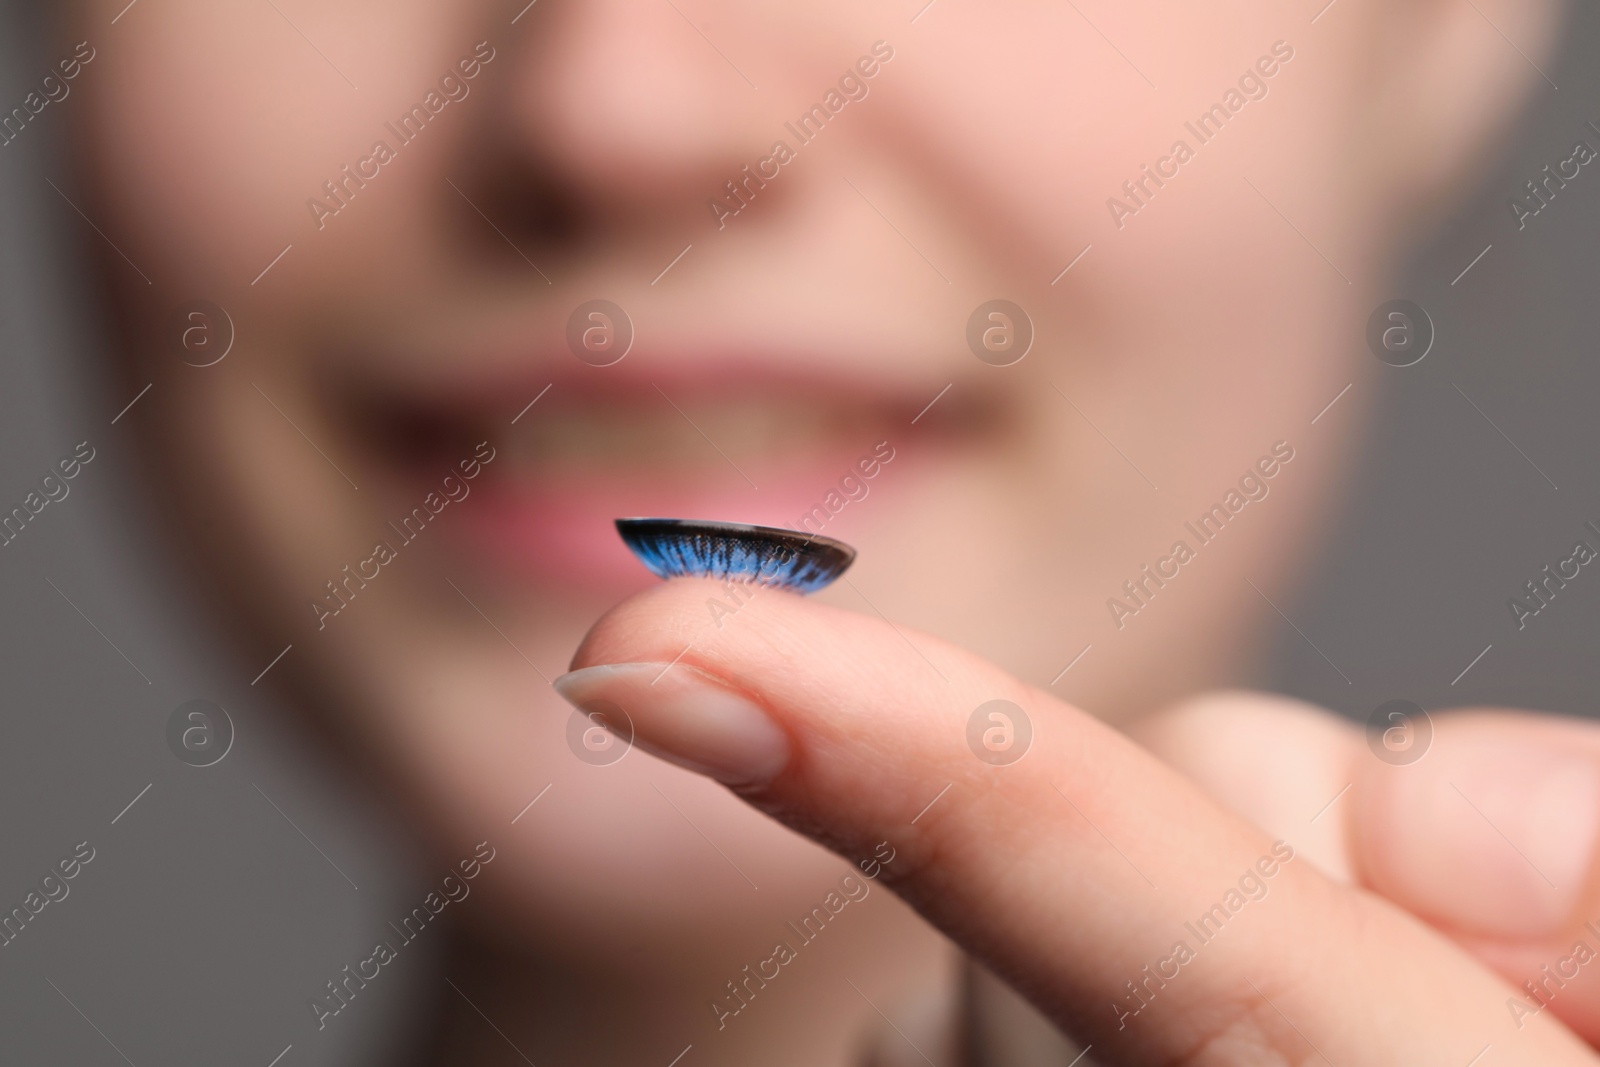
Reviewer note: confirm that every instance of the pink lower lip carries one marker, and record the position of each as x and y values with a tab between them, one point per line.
564	535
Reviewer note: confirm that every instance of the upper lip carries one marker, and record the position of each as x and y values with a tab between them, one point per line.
510	377
471	350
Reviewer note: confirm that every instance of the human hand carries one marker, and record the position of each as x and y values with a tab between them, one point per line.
1487	831
1076	872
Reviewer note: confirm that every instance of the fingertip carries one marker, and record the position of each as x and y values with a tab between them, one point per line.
684	715
653	624
1493	830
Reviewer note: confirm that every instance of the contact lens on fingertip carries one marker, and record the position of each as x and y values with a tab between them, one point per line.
734	551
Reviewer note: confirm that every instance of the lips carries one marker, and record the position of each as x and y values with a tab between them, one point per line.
731	442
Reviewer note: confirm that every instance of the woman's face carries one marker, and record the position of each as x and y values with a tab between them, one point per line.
407	465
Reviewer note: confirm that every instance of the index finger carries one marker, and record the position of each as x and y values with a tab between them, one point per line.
1138	915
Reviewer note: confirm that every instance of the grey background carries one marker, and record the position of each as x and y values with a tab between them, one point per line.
208	918
1445	520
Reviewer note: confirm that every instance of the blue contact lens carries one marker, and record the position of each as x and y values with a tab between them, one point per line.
761	555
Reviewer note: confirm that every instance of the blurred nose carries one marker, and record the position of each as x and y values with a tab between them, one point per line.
622	113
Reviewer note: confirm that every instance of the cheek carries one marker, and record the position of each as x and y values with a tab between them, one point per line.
209	126
1051	119
1026	151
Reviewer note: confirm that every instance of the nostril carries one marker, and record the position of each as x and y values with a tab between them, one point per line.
527	204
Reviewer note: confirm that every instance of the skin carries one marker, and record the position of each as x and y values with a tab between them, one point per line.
1041	891
419	320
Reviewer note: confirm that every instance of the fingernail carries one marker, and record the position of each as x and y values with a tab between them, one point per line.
686	716
1493	836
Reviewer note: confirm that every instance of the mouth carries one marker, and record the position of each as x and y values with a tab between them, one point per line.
731	442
